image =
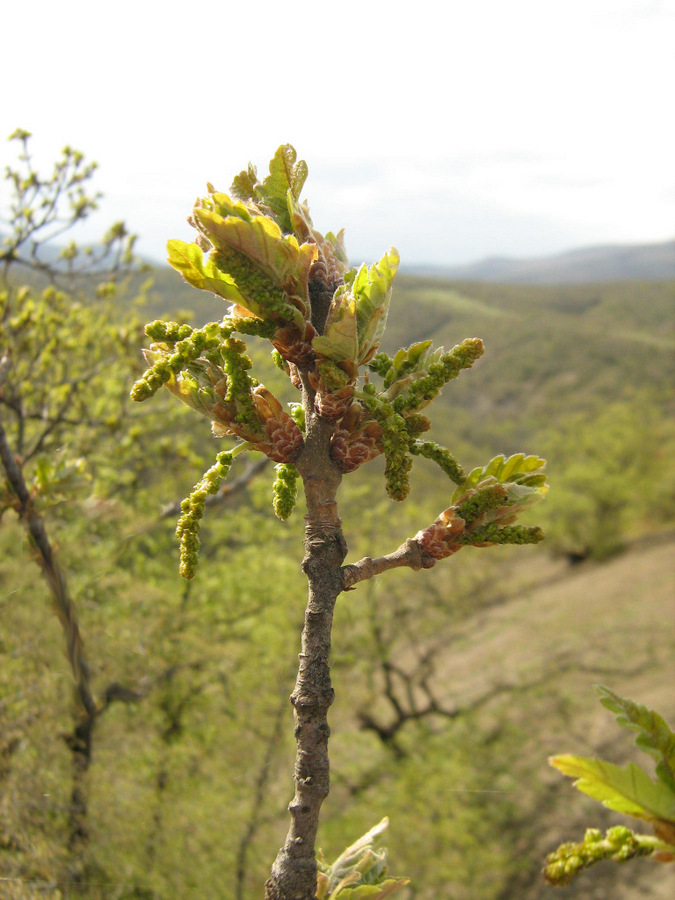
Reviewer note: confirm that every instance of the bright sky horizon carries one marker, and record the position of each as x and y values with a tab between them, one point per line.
453	131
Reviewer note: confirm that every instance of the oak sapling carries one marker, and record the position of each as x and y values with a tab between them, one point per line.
283	281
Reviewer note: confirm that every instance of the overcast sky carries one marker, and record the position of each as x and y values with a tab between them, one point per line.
453	130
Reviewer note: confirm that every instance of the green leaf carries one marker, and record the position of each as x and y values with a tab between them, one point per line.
246	185
279	192
371	891
188	259
224	206
358	313
260	239
409	364
372	291
339	341
337	242
519	469
630	790
654	735
286	176
512	465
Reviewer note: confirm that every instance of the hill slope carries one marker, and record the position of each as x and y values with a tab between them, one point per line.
629	262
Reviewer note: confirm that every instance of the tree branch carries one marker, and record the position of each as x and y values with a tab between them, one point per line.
415	712
63	604
294	871
409	554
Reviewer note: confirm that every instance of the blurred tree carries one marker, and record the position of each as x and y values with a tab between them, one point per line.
59	407
613	478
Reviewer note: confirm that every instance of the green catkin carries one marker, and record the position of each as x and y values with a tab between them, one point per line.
395	443
192	509
168	332
148	384
285	490
619	844
381	363
254	327
491	497
185	350
415	425
256	284
279	361
507	534
424	390
442	457
239	384
396	469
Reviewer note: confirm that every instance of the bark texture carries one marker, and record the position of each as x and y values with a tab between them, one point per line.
293	875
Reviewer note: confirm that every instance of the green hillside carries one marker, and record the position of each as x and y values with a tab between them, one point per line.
452	688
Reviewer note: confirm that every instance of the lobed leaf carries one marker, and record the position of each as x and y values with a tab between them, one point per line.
372	289
654	735
630	790
358	313
517	469
286	176
246	185
339	341
224	205
260	239
188	259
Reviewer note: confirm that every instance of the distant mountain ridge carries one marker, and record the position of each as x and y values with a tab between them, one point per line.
611	262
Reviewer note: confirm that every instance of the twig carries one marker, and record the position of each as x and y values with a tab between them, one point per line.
409	554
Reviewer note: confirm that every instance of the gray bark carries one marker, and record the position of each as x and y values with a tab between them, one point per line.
293	875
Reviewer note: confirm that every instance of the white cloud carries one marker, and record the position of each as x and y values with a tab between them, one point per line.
496	113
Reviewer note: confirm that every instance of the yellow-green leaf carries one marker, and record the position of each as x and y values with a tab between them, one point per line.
630	790
371	891
340	339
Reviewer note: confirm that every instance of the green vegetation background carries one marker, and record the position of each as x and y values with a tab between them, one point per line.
452	687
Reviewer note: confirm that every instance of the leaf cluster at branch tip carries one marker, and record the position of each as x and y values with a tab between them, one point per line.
286	282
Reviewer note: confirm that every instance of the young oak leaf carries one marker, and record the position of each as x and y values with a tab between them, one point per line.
630	790
286	177
527	471
372	288
224	206
339	341
246	185
188	259
279	191
654	735
358	313
260	239
406	361
359	872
